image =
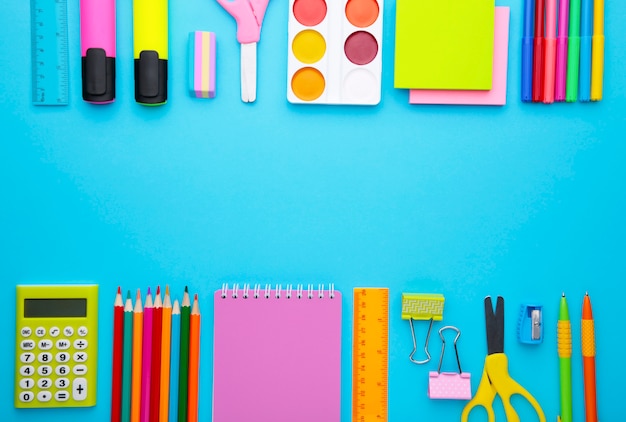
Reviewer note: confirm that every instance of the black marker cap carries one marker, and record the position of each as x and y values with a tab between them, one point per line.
150	78
98	73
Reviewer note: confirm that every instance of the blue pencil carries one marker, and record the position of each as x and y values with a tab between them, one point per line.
174	358
527	52
586	36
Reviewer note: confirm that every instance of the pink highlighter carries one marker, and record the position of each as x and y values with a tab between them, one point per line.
561	51
550	52
97	44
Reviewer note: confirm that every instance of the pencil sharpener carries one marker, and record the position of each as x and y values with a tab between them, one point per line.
530	324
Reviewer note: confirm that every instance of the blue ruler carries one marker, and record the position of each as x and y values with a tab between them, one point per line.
49	45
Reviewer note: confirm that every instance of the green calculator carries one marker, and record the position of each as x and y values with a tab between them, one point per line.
56	345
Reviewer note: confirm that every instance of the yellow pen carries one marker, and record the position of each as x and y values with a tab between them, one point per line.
150	51
597	50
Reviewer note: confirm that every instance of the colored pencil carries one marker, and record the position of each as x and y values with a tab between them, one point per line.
564	348
118	348
135	405
127	363
527	52
573	52
194	361
538	53
174	362
146	371
589	361
155	383
183	367
597	51
166	336
561	52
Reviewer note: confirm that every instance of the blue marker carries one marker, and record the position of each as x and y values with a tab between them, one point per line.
527	52
586	36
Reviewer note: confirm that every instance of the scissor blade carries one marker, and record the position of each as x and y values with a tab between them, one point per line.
494	324
248	72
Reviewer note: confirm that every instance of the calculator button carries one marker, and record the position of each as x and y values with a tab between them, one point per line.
40	331
45	344
44	357
62	370
26	396
27	357
26	331
80	357
27	344
68	331
79	389
44	370
62	383
61	396
80	370
44	383
27	370
54	331
62	357
82	331
27	383
80	344
44	396
63	344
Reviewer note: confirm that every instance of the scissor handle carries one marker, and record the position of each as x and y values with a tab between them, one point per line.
483	398
497	366
249	16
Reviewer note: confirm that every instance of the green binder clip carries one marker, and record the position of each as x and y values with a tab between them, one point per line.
422	307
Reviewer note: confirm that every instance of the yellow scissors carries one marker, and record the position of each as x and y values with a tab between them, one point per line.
496	379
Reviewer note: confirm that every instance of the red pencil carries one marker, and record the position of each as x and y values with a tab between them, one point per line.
118	350
155	388
538	53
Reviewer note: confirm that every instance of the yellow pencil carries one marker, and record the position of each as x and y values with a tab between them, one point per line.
135	403
597	50
194	361
165	357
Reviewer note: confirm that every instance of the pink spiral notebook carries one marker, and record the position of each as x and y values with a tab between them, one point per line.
277	354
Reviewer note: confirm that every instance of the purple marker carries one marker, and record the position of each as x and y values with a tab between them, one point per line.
561	51
97	44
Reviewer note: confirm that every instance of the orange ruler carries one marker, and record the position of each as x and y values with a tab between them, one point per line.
370	355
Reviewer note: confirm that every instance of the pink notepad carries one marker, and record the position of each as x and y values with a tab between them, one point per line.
277	359
497	94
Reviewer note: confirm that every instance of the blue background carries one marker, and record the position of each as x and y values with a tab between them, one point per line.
524	201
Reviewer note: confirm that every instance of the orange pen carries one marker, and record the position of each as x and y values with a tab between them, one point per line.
589	361
194	361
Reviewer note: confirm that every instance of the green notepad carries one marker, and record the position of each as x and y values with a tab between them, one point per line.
444	44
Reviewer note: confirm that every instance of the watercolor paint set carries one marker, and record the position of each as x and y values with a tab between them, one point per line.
335	52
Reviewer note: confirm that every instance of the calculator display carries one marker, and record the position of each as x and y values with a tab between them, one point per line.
51	308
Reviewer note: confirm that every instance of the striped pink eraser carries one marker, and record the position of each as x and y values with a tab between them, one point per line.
202	64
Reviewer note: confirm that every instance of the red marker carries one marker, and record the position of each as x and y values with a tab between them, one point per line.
538	53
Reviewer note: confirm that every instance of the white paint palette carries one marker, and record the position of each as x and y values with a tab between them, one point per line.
335	51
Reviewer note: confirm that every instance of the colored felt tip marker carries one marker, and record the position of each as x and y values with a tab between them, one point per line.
97	44
586	35
573	52
527	52
561	52
150	51
550	52
597	51
538	55
202	64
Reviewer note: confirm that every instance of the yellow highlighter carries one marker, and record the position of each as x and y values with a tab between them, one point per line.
150	51
597	51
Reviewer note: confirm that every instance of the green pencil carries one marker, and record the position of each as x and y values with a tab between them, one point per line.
564	346
127	358
183	367
573	52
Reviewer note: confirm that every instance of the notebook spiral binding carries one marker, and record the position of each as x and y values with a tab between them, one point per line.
277	291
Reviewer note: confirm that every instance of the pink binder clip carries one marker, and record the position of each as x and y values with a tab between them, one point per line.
449	385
